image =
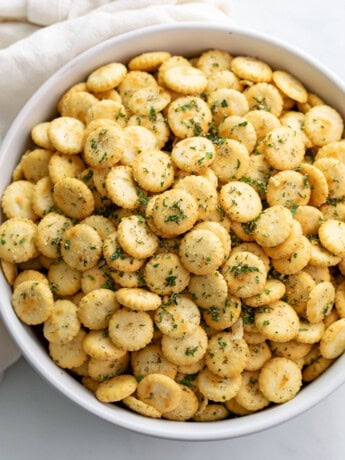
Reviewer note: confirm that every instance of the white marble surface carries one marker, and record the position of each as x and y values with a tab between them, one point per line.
38	423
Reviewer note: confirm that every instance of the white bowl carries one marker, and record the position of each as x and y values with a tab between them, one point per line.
185	39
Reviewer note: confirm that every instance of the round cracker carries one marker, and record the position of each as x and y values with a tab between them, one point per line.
74	198
201	252
63	323
240	201
189	116
130	330
185	80
202	191
177	317
160	392
320	302
284	148
238	128
17	240
140	407
42	200
298	289
332	236
96	308
175	212
16	200
75	104
39	134
106	77
63	279
138	299
273	291
249	396
258	355
98	345
185	350
289	246
148	62
121	187
214	61
264	96
101	369
296	261
225	102
280	380
153	171
116	388
332	342
278	322
216	388
323	125
250	68
81	247
35	164
66	135
136	238
273	226
193	154
149	101
290	86
62	166
245	274
70	354
208	290
231	160
104	147
226	356
150	360
33	302
186	408
49	233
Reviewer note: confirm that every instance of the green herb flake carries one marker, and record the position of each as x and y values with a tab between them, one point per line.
190	351
115	255
142	198
94	144
221	343
248	315
293	209
170	280
214	313
188	380
241	269
152	114
179	216
67	244
88	176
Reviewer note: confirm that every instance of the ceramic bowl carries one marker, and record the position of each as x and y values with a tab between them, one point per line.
183	39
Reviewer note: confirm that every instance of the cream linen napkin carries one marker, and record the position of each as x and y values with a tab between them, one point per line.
30	53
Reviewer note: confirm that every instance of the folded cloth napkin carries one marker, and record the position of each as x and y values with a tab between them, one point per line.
31	53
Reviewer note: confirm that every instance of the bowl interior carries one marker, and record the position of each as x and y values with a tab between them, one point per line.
183	39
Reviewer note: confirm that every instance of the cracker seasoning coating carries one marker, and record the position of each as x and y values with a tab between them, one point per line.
176	235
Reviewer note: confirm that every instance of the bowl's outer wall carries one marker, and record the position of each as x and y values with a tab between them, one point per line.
188	40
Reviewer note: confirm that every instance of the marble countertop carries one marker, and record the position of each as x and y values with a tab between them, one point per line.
36	422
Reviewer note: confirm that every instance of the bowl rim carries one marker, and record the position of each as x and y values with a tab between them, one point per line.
59	379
